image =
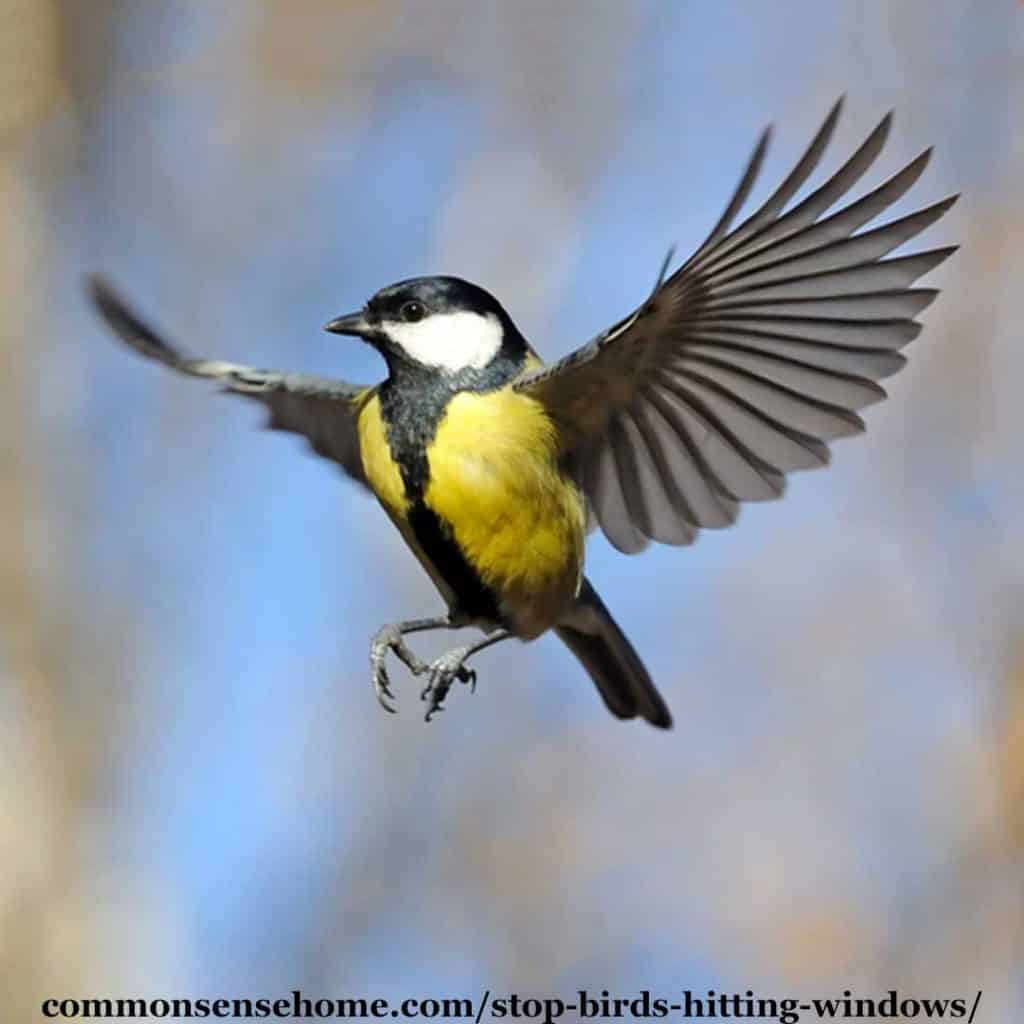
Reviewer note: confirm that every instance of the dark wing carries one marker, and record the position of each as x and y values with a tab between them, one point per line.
746	360
323	410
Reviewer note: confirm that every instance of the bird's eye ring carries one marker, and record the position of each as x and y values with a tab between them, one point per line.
413	311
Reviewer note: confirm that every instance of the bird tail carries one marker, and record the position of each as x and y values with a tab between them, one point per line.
602	649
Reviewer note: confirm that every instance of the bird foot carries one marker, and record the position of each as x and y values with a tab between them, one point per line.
389	638
443	672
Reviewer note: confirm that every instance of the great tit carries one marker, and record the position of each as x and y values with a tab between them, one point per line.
736	370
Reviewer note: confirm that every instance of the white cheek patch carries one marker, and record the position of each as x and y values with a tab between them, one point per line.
450	341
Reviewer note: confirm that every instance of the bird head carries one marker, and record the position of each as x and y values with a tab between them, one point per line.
442	323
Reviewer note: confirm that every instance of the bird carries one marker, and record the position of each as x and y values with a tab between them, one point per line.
740	367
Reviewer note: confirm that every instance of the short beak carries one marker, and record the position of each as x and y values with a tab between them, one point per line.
354	324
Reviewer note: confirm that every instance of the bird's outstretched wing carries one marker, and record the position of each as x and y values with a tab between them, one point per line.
746	360
323	410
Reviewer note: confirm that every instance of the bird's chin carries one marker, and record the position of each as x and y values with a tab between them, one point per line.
394	355
377	340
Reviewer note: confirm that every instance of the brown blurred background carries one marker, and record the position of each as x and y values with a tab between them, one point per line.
198	794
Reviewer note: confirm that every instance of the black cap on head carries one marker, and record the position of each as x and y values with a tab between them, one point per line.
436	295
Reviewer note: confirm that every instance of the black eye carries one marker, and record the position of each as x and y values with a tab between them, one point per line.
413	311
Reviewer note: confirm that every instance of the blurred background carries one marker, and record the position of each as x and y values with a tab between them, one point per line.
199	794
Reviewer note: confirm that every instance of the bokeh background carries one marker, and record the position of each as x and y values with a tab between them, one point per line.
199	794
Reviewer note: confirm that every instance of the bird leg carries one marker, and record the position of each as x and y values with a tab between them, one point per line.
390	638
451	666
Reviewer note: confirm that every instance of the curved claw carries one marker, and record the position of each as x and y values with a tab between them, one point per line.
443	672
389	639
382	687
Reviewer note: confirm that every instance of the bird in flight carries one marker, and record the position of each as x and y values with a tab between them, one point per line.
739	368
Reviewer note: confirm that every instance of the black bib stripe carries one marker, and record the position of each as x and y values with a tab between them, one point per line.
412	405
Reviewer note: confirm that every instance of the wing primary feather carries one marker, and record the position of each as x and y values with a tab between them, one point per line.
739	197
776	405
790	186
777	240
826	195
662	519
664	270
899	304
605	490
851	251
629	478
712	504
852	334
731	469
804	383
137	334
873	364
133	331
680	505
801	172
829	237
881	304
874	275
796	451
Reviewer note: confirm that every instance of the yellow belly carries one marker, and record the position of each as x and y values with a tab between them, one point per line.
494	478
495	481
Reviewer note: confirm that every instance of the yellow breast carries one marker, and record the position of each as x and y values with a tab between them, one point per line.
495	479
385	480
381	470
